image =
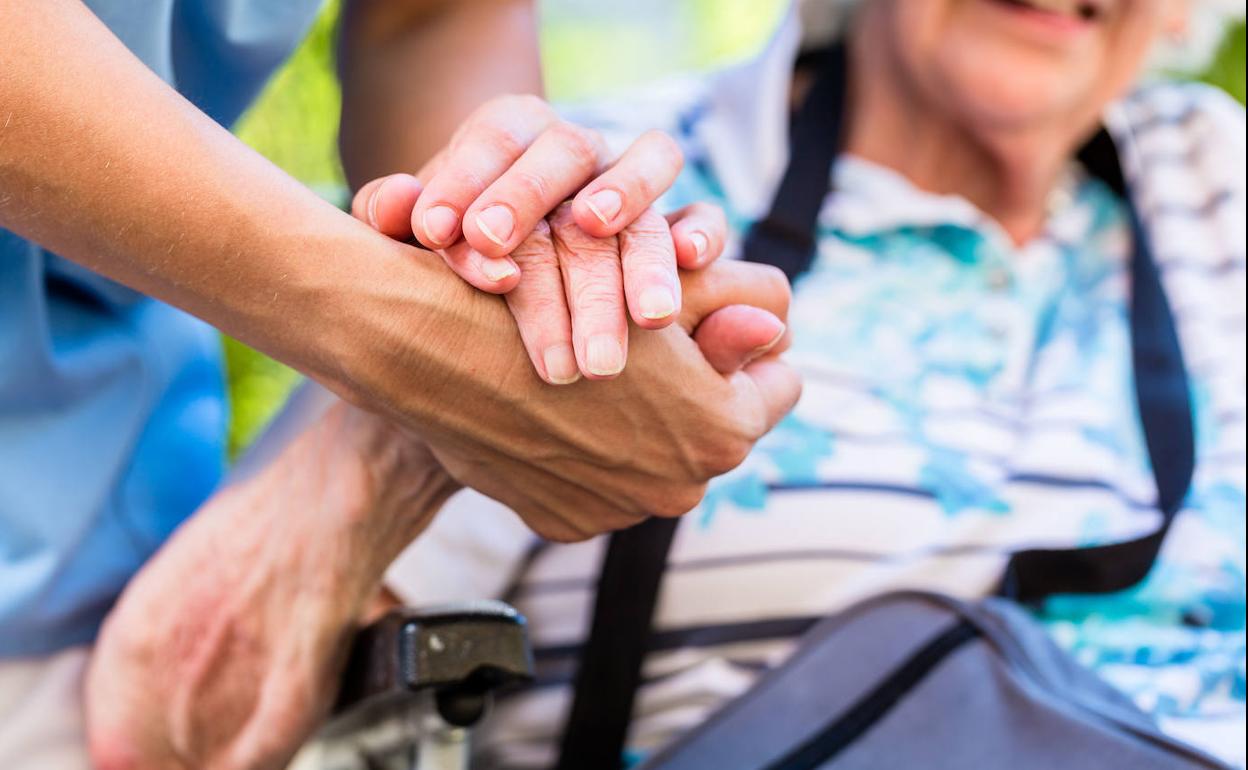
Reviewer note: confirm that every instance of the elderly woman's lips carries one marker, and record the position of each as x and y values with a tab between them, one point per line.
1083	10
1069	16
1087	10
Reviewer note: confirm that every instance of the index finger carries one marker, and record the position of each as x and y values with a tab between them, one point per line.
483	149
386	204
621	193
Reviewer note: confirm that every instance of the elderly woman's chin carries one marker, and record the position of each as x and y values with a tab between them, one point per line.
1014	95
1015	63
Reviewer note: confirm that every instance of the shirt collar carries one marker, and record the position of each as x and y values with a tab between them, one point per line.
871	198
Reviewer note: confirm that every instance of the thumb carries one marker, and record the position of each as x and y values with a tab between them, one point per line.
386	204
733	336
732	282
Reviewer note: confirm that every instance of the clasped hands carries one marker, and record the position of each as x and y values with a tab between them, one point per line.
224	652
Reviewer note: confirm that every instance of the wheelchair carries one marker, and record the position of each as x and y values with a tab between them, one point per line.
415	684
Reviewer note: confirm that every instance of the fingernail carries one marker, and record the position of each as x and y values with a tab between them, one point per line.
496	223
604	356
657	302
762	349
440	223
605	204
700	244
560	364
498	269
372	206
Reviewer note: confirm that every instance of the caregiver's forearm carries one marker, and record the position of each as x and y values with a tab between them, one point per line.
412	71
103	163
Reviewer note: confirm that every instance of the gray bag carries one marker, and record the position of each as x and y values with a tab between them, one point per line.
920	680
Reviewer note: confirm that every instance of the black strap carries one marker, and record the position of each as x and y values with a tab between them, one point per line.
786	236
610	669
1163	399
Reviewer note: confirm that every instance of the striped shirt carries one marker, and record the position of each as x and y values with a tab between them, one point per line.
964	398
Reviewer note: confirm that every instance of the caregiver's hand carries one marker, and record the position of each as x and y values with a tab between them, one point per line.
512	162
225	235
610	452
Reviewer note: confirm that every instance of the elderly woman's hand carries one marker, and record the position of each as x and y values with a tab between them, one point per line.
226	649
482	204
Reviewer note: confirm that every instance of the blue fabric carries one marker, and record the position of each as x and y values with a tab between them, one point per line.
112	405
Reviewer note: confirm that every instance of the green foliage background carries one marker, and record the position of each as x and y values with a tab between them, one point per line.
295	121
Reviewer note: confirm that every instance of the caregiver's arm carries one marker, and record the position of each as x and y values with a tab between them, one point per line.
105	164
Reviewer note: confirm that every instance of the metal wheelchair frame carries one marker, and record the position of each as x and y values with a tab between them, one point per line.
416	682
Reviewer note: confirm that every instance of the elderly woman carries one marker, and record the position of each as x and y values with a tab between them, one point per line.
963	334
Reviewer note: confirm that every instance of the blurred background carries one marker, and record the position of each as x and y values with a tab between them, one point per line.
295	121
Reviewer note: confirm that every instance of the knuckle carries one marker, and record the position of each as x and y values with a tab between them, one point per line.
648	241
708	216
510	106
645	188
754	427
541	230
595	136
678	500
507	141
620	520
583	253
538	247
784	289
578	143
724	456
595	261
649	227
589	520
529	188
561	219
666	149
545	314
581	250
773	280
528	104
598	298
558	531
655	499
109	750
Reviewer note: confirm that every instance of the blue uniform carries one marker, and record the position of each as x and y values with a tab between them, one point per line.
112	405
